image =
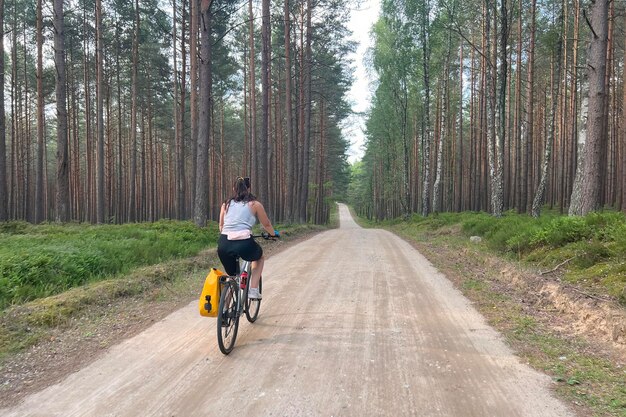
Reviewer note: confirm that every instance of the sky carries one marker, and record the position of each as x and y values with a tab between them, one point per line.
361	20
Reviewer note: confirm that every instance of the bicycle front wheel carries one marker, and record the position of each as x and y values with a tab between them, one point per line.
253	305
228	318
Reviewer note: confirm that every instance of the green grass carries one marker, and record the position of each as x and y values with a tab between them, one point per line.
580	377
589	249
24	324
41	260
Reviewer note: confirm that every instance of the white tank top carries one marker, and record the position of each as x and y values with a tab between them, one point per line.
238	218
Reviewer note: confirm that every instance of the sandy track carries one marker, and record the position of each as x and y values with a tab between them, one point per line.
354	322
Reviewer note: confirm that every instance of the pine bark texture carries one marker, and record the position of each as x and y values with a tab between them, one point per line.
4	205
39	168
204	125
575	207
264	168
596	119
100	190
62	195
426	129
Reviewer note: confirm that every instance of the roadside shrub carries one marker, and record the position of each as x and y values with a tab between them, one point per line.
510	234
522	240
618	236
438	220
605	224
562	230
479	225
589	253
14	227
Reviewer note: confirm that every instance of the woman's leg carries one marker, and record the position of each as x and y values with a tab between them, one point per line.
224	252
257	268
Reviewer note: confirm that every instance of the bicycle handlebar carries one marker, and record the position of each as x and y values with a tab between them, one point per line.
266	236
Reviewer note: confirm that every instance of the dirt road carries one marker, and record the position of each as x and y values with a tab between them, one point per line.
354	322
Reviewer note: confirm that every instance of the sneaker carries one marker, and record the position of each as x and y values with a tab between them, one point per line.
253	293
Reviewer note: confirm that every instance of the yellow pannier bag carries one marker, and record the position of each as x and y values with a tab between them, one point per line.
210	297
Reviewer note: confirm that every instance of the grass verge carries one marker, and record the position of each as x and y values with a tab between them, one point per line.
24	325
41	260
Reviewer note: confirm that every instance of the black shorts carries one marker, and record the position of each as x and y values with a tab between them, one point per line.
230	251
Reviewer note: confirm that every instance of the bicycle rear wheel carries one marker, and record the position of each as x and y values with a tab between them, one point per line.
253	306
228	318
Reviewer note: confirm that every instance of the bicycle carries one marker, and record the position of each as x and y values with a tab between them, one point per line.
234	302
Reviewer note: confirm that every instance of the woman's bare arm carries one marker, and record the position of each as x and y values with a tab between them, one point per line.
222	213
259	212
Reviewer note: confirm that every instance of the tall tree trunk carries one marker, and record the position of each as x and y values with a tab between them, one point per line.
497	197
440	122
291	145
182	154
490	101
100	204
556	91
193	95
63	184
496	112
595	142
575	206
517	124
406	183
300	106
88	186
605	162
444	116
574	111
175	107
120	217
622	150
321	169
560	175
254	152
460	167
473	151
39	167
142	201
26	121
132	178
427	132
179	110
308	104
247	168
4	208
263	180
205	122
13	195
528	122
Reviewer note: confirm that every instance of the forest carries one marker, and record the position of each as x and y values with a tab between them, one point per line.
123	111
493	106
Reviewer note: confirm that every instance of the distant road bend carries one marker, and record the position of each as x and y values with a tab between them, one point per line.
354	322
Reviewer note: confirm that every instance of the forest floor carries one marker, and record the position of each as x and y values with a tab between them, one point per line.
576	338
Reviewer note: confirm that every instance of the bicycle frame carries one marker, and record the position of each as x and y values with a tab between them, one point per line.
244	266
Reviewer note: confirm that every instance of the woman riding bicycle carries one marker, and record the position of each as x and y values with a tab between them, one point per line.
237	216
